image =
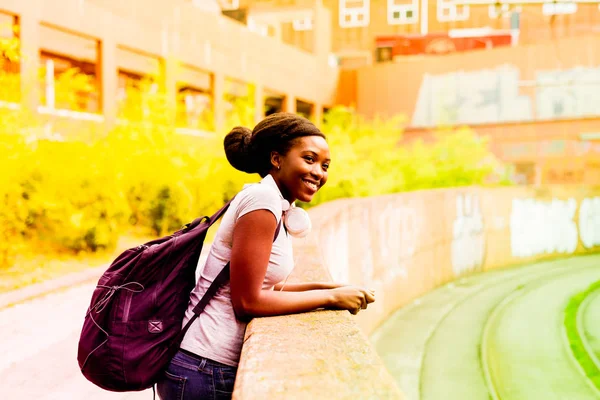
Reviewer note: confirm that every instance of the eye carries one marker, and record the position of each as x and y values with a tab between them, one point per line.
309	158
325	167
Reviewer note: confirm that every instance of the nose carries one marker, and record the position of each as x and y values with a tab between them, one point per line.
317	171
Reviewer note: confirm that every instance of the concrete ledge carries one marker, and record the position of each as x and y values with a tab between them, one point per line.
317	355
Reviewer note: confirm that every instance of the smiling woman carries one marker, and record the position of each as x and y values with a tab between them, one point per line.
297	157
292	156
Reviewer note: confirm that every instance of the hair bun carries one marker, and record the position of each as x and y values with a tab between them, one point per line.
238	149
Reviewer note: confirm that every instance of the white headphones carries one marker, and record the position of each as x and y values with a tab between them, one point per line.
296	220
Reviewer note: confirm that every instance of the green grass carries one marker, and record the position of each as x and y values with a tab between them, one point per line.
433	347
575	334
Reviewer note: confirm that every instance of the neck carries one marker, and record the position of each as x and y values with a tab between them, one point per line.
286	195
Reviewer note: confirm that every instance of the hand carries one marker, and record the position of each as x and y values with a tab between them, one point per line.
351	298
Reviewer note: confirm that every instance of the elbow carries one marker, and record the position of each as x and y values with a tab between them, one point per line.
245	309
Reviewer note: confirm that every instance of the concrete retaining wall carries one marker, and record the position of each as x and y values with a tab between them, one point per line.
402	246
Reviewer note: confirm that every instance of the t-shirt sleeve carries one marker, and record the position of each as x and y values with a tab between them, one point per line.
259	197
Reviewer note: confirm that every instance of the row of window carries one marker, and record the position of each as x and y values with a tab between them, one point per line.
356	13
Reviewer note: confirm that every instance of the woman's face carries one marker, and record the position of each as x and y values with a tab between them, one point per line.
303	170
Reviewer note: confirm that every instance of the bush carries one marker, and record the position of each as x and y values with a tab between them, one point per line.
79	196
71	202
368	158
14	207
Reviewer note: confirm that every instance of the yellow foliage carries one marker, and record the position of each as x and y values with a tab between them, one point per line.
80	194
368	158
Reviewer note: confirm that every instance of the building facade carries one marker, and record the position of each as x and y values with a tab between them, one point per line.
539	104
356	25
199	58
532	87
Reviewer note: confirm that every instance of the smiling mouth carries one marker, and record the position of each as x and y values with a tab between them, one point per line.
311	185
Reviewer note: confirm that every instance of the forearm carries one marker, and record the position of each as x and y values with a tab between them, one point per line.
305	286
270	303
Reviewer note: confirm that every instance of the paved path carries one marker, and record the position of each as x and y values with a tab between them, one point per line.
38	349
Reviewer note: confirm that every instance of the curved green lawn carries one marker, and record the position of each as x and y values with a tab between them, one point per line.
579	313
401	340
525	351
591	322
432	346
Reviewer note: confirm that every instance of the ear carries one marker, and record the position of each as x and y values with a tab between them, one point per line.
276	160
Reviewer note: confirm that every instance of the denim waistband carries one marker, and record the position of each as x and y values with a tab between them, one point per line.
193	355
208	360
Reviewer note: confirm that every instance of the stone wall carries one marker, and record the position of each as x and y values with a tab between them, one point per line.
402	246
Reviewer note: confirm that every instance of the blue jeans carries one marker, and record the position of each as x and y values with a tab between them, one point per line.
191	377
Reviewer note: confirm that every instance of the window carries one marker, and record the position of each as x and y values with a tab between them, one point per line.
303	24
253	26
10	88
68	64
447	11
194	108
304	109
354	13
401	14
559	8
497	11
229	4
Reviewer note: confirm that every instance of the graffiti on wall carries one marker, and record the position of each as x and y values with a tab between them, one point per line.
388	238
399	229
543	227
495	95
589	222
395	244
468	235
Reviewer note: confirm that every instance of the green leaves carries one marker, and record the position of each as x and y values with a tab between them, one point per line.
369	158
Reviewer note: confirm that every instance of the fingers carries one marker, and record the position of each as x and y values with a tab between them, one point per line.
359	303
362	300
369	295
358	299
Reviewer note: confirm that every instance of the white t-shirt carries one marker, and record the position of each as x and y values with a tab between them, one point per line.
217	334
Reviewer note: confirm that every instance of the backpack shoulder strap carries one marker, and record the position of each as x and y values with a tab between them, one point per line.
220	213
219	281
210	220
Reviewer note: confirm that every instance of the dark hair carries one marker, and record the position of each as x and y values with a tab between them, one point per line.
250	151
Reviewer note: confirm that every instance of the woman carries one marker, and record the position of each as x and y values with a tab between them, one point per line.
292	157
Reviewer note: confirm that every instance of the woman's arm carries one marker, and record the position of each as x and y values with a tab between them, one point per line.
305	286
250	253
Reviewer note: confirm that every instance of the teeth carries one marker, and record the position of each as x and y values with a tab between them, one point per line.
312	185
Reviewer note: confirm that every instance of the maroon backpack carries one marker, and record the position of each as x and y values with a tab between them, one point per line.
133	326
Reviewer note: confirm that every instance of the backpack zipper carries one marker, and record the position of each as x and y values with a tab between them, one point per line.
128	294
128	297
